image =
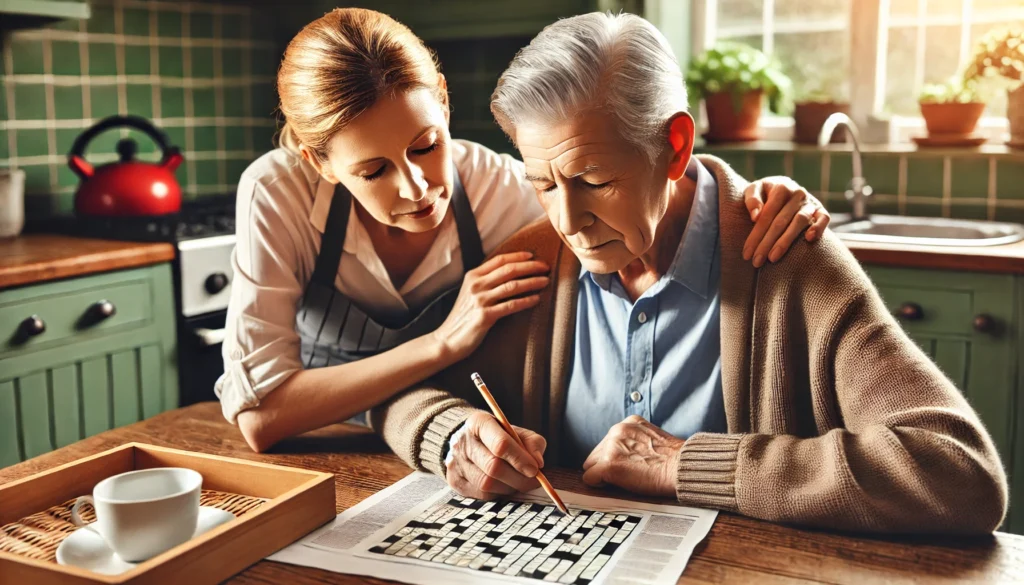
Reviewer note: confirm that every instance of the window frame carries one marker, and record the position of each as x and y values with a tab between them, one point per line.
869	30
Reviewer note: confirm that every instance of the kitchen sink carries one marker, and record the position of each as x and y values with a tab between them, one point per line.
927	231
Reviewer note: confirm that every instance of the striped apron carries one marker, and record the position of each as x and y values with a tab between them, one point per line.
334	330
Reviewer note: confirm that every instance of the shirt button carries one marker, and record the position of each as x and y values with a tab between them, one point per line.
635	396
642	317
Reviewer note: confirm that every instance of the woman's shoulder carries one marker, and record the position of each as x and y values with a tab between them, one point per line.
279	185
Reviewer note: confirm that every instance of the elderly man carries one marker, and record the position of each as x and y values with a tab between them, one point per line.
786	393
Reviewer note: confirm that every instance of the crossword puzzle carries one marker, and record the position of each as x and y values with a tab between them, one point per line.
513	538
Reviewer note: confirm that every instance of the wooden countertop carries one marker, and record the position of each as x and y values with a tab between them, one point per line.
40	257
738	549
1008	259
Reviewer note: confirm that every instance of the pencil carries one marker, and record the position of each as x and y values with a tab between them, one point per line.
498	414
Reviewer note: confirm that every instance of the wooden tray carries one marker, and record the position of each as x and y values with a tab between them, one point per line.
294	502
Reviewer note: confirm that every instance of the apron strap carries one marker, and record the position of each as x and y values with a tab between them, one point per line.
469	236
333	241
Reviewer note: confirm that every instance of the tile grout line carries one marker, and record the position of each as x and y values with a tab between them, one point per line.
154	68
218	97
119	61
901	185
826	170
12	140
947	185
991	191
787	164
173	122
83	62
51	114
190	135
84	36
247	74
70	80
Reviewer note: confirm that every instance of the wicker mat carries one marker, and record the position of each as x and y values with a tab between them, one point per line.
38	536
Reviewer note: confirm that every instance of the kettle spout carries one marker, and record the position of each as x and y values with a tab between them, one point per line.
172	160
81	168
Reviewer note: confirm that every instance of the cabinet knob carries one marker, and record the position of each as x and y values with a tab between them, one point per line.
216	282
984	323
32	326
103	309
910	312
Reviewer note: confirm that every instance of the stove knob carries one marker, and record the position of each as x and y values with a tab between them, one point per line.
216	282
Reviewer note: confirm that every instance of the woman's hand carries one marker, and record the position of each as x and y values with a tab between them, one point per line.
489	292
487	463
780	209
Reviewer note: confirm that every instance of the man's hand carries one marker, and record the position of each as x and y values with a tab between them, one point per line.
780	209
636	456
487	463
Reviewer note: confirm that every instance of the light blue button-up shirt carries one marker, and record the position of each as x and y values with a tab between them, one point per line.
659	357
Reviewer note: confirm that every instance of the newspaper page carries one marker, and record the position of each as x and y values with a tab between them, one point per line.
419	531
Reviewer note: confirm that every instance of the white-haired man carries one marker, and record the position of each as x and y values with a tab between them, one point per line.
785	393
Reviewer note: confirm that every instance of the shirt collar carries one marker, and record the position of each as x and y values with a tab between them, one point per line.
694	258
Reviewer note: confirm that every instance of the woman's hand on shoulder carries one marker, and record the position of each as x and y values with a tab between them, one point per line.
781	210
504	285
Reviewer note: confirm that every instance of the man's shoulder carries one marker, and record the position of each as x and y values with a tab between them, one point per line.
538	237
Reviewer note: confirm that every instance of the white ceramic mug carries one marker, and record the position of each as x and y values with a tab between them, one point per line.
12	202
141	514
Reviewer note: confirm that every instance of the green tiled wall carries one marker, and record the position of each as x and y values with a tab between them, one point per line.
202	71
472	68
959	184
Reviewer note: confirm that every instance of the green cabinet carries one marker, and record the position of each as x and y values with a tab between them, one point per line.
89	369
970	324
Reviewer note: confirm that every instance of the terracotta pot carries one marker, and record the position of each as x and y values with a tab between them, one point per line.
726	123
809	117
952	119
1015	114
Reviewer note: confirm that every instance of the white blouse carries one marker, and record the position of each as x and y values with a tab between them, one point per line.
280	214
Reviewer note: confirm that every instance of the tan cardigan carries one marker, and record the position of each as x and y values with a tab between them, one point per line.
835	418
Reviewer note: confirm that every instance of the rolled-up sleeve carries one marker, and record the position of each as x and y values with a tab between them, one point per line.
261	345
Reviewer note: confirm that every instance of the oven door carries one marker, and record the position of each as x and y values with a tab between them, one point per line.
199	356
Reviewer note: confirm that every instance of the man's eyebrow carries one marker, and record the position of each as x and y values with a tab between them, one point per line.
539	179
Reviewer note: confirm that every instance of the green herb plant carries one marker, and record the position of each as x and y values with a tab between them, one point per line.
954	90
738	69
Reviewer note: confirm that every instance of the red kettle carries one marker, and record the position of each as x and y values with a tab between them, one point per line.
128	187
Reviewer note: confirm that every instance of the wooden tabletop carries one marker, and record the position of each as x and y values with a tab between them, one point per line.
738	549
35	258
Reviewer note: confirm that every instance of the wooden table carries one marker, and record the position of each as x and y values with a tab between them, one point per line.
738	549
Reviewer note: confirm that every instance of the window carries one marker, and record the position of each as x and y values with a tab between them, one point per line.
876	54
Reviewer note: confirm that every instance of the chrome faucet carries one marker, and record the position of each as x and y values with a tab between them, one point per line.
859	190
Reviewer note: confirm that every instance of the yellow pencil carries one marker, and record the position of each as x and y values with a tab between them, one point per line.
498	414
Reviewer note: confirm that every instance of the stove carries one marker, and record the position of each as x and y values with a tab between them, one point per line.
205	240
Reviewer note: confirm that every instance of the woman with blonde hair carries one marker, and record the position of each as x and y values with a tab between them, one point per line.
360	267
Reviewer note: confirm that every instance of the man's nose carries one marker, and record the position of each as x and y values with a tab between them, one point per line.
572	217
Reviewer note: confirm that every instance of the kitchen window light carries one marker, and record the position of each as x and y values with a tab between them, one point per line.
875	54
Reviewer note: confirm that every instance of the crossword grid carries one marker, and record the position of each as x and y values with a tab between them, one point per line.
513	538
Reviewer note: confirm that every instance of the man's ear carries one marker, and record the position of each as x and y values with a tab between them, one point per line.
680	138
325	171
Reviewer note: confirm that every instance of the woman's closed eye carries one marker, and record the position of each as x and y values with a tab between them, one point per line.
426	150
375	174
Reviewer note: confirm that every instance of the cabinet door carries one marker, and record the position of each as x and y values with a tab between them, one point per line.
53	407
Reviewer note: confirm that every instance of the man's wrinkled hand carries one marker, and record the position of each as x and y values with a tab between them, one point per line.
487	463
636	456
781	210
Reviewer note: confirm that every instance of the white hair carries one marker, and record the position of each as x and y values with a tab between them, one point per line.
618	63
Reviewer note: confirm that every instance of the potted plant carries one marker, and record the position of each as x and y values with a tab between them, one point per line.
951	110
999	59
818	100
732	79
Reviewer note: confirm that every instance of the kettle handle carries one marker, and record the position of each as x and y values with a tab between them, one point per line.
76	158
